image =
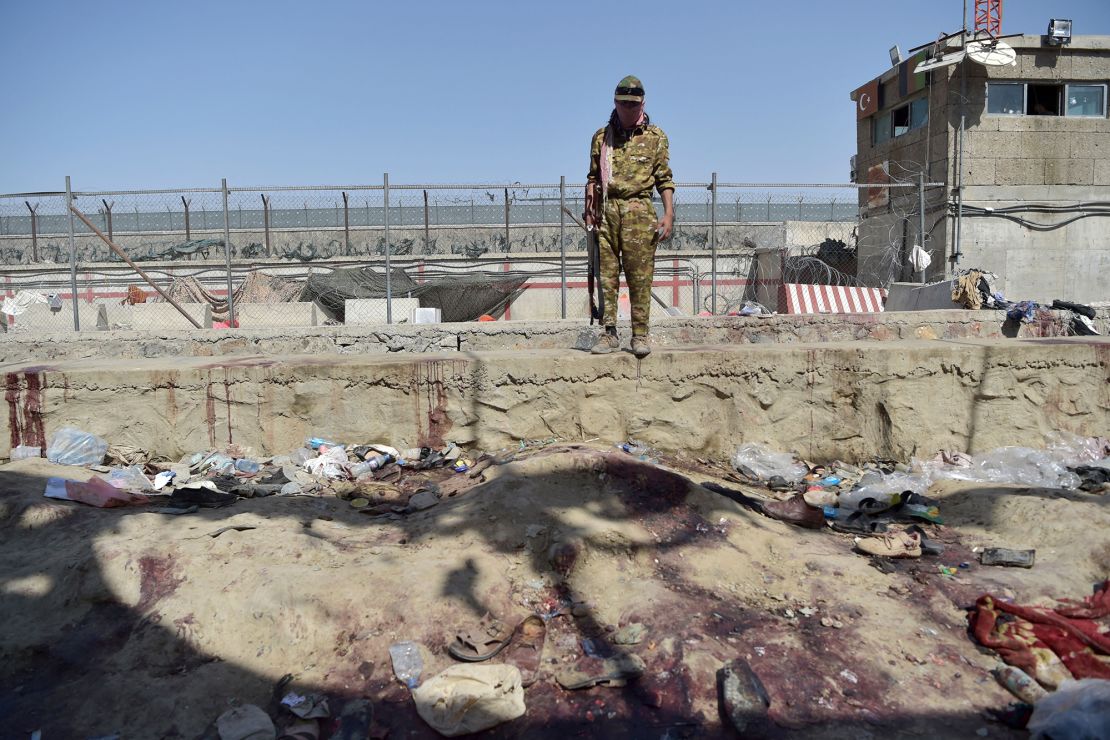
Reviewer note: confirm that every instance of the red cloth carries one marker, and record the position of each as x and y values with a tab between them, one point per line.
1072	631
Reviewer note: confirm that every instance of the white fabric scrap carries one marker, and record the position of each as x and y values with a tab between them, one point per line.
920	259
21	301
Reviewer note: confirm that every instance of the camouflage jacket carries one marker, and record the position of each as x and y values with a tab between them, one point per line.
641	161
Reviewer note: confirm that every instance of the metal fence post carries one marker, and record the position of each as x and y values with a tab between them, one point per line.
185	203
507	221
34	230
921	215
713	241
108	216
346	225
227	255
563	245
388	280
427	229
266	222
72	257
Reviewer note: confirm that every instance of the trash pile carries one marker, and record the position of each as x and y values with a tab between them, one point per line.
883	501
975	289
216	478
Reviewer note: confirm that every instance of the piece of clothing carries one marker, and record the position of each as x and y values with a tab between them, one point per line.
637	161
965	291
1051	645
627	240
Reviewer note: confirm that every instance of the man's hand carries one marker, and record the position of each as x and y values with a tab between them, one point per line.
665	227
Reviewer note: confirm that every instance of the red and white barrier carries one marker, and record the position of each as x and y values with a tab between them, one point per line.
806	298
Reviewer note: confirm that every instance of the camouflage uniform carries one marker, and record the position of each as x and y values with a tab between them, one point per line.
626	233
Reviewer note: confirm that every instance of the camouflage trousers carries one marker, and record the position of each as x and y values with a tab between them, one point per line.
627	240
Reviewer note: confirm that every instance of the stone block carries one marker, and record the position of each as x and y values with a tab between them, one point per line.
373	310
915	297
157	316
979	172
41	319
1069	171
1101	174
258	315
1019	172
1089	145
120	316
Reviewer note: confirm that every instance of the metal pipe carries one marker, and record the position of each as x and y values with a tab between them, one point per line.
188	233
123	255
34	231
346	225
388	280
72	257
506	220
957	247
713	243
562	246
227	255
921	215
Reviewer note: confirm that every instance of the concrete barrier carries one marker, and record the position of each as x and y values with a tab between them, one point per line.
147	316
39	318
260	315
916	297
373	310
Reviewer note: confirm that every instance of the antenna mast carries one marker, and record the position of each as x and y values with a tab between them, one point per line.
988	17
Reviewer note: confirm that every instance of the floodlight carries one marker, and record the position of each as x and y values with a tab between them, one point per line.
1059	31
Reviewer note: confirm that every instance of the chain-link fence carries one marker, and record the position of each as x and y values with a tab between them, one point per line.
386	253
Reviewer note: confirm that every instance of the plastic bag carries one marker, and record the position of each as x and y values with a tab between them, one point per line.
71	446
764	463
1078	710
332	464
882	488
23	452
129	479
1017	465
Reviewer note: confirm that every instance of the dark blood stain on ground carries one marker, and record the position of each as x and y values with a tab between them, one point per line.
158	579
24	397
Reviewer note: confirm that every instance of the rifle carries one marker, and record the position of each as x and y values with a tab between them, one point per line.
593	263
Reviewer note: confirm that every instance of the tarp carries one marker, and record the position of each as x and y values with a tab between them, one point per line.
462	297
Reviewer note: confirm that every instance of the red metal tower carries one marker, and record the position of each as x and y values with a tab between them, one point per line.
988	17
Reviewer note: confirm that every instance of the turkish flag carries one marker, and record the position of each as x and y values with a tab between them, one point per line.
867	99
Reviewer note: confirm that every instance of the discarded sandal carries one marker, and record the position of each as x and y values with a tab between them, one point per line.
614	672
892	545
488	639
928	546
526	647
859	523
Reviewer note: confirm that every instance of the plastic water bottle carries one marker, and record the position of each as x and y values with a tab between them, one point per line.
370	464
407	662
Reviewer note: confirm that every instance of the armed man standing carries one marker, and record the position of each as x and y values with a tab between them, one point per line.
628	158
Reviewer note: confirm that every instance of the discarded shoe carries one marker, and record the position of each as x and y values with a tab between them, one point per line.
859	523
605	344
892	545
778	483
526	647
928	546
795	510
490	637
210	498
640	347
817	496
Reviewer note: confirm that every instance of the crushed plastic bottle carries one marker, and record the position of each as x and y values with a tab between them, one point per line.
244	465
407	662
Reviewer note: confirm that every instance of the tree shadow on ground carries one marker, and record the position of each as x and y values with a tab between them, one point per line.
112	662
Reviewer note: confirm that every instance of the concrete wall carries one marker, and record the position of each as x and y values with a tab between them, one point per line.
1008	160
525	336
851	401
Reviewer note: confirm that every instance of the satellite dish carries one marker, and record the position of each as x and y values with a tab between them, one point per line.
944	60
991	53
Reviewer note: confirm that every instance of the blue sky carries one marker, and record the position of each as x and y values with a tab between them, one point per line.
162	94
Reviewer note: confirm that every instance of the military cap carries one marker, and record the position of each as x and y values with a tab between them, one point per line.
631	89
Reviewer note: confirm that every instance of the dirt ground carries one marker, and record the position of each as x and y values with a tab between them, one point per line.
151	625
